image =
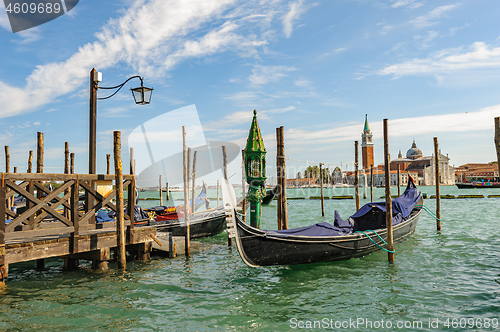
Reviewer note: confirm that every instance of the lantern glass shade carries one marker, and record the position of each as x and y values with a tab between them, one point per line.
142	95
256	168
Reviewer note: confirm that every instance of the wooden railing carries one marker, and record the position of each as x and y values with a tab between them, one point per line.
57	211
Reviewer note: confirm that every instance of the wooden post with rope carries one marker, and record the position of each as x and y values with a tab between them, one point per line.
388	198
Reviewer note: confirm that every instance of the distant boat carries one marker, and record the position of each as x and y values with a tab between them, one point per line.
324	242
173	189
479	182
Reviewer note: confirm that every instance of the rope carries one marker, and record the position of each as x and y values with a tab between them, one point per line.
369	230
426	209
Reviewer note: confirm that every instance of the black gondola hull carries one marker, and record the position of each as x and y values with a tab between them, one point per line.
205	224
259	249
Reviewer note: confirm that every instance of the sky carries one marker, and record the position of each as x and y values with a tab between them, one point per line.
315	67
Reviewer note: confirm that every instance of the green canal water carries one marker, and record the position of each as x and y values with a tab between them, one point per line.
438	277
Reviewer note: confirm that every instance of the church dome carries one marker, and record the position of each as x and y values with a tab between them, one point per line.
414	152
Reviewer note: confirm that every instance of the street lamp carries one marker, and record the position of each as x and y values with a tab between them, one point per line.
255	168
142	96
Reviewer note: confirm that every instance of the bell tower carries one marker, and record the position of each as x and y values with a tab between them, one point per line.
367	145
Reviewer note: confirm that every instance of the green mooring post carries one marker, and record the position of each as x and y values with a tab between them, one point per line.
255	168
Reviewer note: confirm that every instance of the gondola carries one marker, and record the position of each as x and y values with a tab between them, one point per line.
270	194
357	236
201	224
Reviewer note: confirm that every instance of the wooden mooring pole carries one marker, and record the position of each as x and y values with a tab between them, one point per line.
40	263
193	183
167	189
437	182
72	163
399	182
388	198
66	171
7	159
120	225
371	183
356	174
185	169
131	159
224	164
365	184
161	193
108	163
10	202
3	266
30	162
497	144
321	185
281	180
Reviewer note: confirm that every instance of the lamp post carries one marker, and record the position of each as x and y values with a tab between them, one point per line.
255	168
142	96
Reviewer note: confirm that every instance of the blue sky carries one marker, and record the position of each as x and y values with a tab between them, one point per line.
315	67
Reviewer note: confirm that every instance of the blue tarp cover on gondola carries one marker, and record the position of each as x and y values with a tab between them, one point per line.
401	209
139	213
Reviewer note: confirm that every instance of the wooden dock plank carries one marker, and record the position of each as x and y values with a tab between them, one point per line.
54	246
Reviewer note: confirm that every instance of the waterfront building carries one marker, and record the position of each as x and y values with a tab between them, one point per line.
422	168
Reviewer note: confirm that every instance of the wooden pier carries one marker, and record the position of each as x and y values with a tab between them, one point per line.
52	224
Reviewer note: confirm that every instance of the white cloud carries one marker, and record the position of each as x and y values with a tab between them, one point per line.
447	61
413	4
426	40
302	83
268	74
293	14
150	38
431	125
429	18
